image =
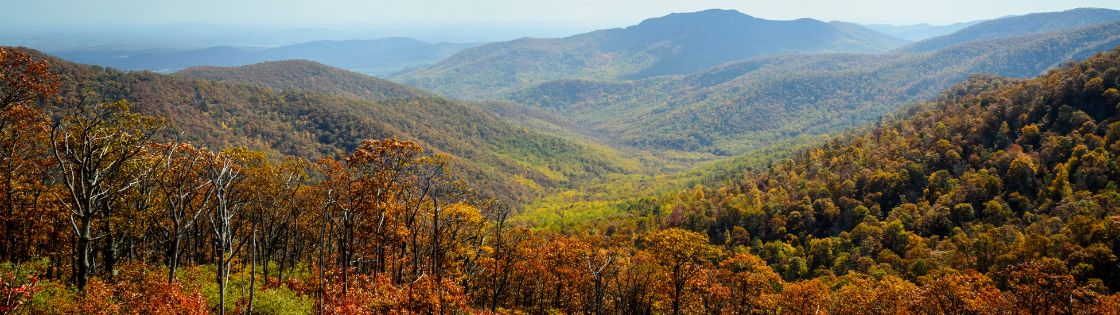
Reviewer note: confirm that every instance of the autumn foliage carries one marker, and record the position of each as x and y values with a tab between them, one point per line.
1000	198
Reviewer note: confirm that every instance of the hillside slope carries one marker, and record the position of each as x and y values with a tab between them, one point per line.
307	76
995	174
673	44
513	163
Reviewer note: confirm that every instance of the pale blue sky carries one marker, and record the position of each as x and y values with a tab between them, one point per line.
65	24
590	13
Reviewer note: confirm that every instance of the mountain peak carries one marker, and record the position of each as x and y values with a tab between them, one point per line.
697	18
712	13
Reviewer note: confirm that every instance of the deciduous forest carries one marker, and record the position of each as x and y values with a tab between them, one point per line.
709	162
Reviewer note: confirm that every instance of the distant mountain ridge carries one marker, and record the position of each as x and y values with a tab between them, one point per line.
674	44
917	32
739	106
1035	23
377	56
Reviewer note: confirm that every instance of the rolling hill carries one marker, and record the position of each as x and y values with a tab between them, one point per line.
674	44
510	162
1016	26
377	56
308	76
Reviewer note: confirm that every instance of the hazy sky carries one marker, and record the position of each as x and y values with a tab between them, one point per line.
536	17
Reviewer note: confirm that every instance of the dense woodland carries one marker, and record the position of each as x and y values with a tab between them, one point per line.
1000	197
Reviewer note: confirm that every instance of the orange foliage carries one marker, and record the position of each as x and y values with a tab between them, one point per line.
804	297
23	78
148	292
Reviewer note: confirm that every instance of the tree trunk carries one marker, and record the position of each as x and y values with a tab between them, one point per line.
109	252
9	212
323	243
252	273
598	295
173	257
437	255
222	277
84	262
678	286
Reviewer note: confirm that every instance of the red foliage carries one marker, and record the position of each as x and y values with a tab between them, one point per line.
378	295
145	292
97	298
14	293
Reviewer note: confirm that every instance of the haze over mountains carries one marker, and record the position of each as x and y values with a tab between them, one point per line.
917	32
375	57
1018	25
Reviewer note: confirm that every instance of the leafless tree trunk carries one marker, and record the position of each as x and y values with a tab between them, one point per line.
227	207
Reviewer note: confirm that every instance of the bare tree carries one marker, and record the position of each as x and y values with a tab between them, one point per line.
94	148
186	189
228	203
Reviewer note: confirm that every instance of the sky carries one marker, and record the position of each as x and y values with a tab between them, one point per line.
529	17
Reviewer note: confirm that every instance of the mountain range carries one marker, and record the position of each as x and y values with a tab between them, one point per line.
740	106
674	44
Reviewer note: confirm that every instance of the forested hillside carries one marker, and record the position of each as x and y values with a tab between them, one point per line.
999	176
311	110
740	106
306	76
674	44
999	197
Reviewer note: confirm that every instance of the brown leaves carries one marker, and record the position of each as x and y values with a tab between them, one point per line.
22	78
